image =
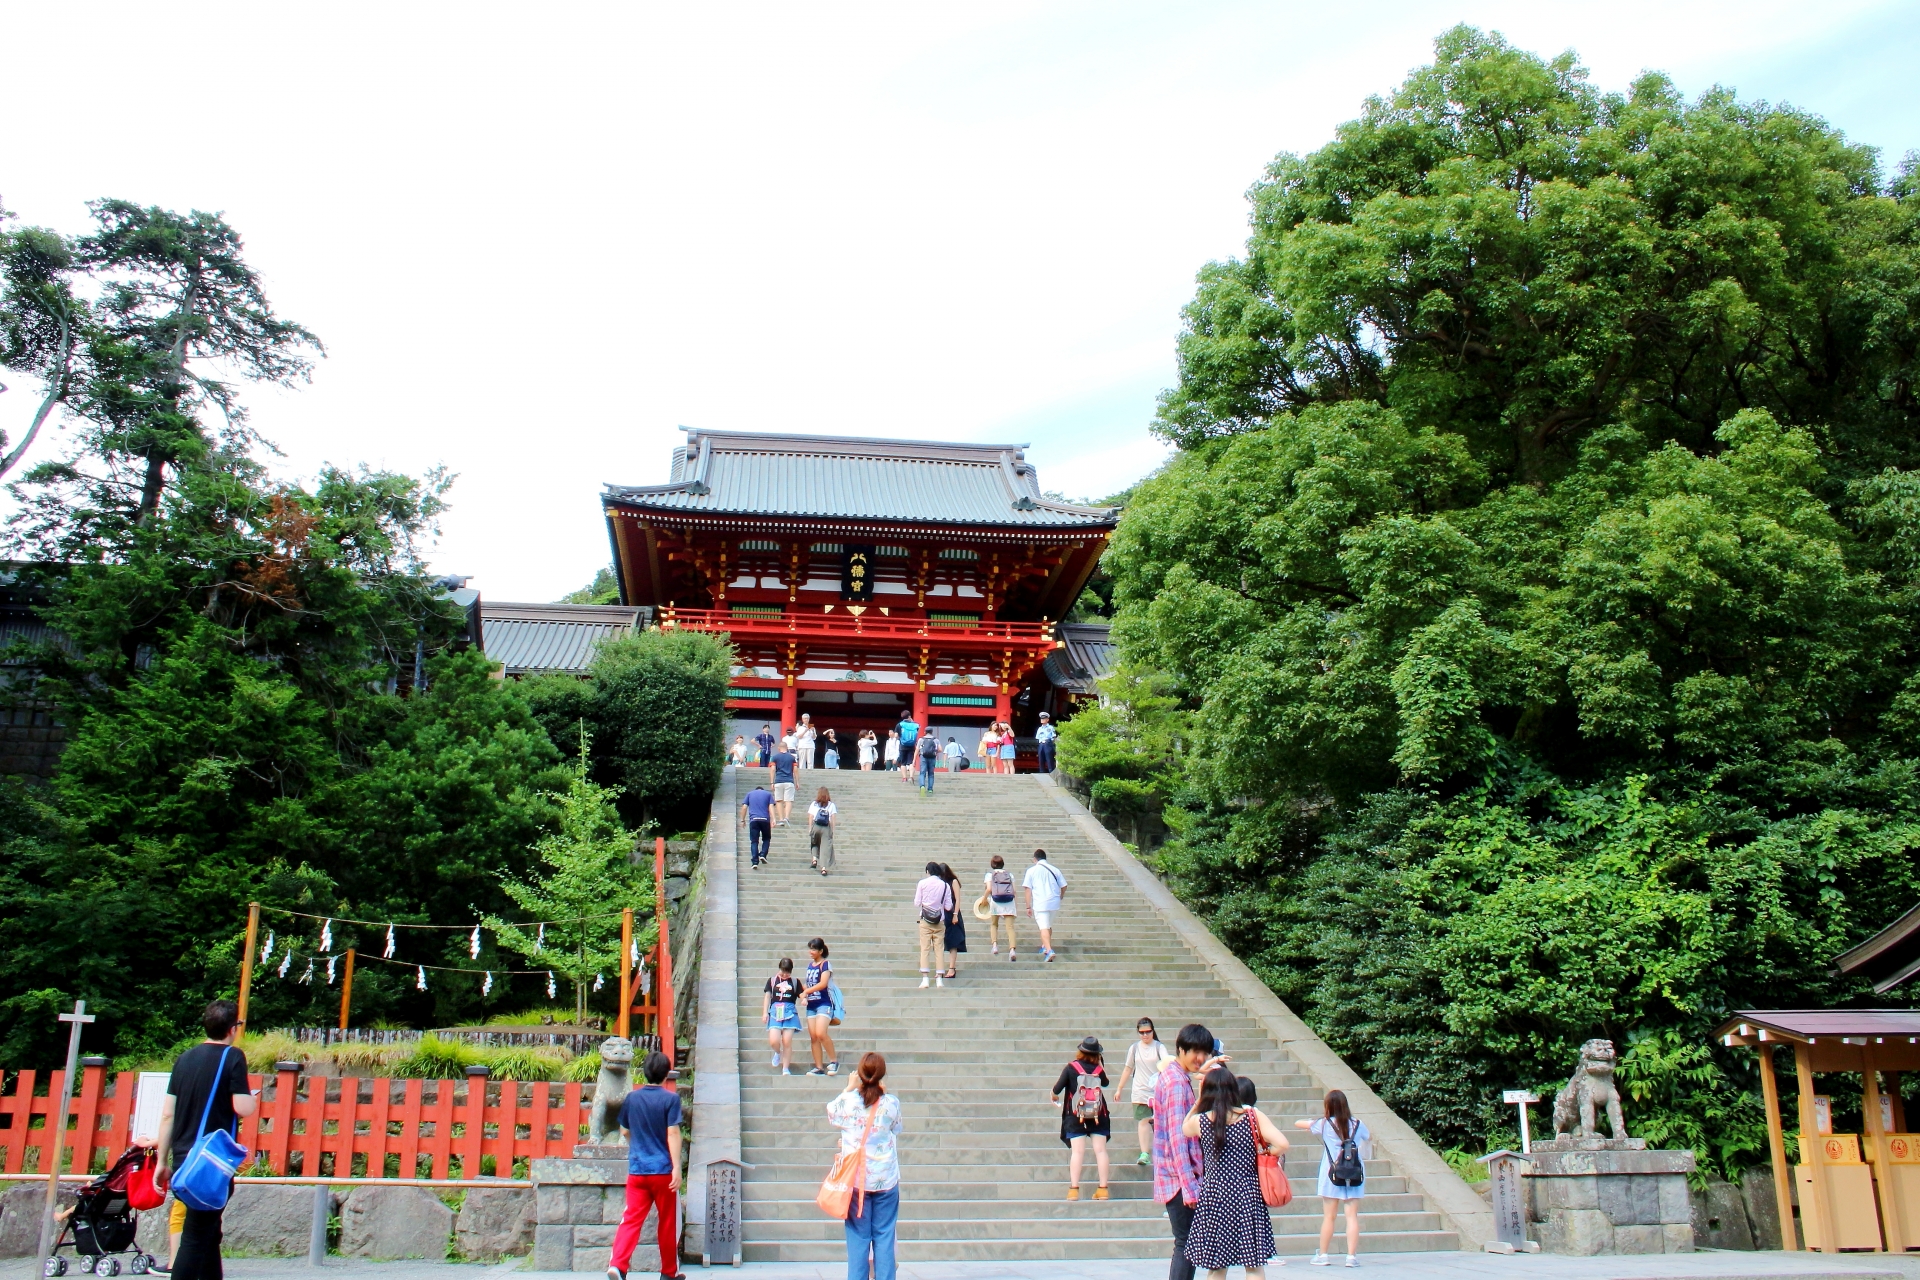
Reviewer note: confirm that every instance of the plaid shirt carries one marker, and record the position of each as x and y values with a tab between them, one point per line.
1176	1157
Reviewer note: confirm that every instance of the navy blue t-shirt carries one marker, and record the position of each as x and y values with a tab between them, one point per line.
759	802
782	763
646	1115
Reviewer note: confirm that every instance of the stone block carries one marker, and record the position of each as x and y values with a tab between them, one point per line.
584	1204
1630	1201
20	1208
593	1236
580	1172
395	1222
594	1258
1640	1239
614	1206
495	1224
152	1235
1679	1237
1763	1210
550	1205
1720	1218
1675	1203
273	1222
1580	1233
1566	1193
552	1248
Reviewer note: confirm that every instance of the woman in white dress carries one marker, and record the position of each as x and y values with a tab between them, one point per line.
867	751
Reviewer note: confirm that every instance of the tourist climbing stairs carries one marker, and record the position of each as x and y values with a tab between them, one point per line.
984	1173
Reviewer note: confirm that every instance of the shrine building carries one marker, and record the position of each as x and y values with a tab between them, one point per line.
861	578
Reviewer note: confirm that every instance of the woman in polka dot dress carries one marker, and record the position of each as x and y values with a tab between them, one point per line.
1230	1223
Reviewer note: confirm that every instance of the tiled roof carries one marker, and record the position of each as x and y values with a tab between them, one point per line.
1090	656
845	477
530	638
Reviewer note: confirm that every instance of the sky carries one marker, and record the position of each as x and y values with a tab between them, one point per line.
537	239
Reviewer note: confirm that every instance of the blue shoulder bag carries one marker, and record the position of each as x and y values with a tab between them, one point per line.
204	1179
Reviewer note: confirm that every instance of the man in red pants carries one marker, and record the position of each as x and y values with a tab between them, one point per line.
650	1122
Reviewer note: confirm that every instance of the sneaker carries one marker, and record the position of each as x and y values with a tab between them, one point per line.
786	1071
1144	1159
833	1068
996	948
1049	956
818	1071
1320	1260
155	1267
939	981
776	1061
615	1273
925	982
1013	957
1352	1261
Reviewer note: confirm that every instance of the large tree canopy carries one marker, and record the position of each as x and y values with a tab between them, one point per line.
1521	638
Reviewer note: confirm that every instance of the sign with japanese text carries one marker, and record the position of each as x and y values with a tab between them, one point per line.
856	574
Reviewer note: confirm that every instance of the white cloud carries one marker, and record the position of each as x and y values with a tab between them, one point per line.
538	237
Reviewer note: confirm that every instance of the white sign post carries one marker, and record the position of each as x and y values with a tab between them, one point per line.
1520	1098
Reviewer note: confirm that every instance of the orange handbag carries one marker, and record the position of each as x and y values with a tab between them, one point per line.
1274	1187
848	1177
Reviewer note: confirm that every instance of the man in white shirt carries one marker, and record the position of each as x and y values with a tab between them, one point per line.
803	740
1045	886
955	754
1045	736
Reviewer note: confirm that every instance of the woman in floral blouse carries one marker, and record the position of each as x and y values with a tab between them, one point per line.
873	1215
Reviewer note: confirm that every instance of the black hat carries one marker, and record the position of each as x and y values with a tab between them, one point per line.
1090	1045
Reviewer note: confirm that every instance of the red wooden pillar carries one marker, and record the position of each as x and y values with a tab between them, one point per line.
922	708
789	707
1003	706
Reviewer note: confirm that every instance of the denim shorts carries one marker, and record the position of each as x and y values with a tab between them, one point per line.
783	1018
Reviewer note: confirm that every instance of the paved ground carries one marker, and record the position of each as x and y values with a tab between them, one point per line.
1705	1265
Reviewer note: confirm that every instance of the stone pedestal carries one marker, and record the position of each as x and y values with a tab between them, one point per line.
1605	1195
577	1206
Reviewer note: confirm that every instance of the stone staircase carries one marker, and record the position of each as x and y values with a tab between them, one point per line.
984	1174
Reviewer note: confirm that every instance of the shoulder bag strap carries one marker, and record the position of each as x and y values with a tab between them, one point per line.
206	1112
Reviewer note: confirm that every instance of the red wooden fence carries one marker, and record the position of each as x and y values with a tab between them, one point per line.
304	1118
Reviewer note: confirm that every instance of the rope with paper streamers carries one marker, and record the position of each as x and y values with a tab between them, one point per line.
288	957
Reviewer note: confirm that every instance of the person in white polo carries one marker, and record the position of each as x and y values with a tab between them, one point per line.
1046	886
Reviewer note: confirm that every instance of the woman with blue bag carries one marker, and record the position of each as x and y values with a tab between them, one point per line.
207	1094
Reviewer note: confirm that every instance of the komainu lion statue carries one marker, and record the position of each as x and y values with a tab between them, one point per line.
1590	1089
613	1085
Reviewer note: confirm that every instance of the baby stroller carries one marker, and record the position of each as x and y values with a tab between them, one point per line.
102	1223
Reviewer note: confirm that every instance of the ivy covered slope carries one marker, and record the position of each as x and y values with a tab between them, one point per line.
1522	637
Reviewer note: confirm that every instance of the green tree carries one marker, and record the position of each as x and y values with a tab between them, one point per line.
602	590
591	875
43	325
1535	582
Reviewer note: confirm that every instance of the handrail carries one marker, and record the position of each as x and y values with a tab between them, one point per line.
842	623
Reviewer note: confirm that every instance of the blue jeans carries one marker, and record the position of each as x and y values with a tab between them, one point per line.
926	771
1046	757
872	1233
760	839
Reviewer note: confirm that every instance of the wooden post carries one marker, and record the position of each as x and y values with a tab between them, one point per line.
246	960
1810	1155
1893	1233
1898	1103
626	970
1777	1148
663	972
346	991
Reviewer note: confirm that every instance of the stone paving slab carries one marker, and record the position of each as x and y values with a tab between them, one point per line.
1704	1264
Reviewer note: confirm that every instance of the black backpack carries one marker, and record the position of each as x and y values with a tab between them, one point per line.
1347	1169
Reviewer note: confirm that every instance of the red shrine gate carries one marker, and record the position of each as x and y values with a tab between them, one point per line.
860	578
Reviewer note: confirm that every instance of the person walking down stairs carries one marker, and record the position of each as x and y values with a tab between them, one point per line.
1084	1117
819	1009
1145	1059
933	899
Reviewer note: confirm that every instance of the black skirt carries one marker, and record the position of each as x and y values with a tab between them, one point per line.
956	939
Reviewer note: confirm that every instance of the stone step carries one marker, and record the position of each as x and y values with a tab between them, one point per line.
915	1208
791	1182
1111	1219
1091	1247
